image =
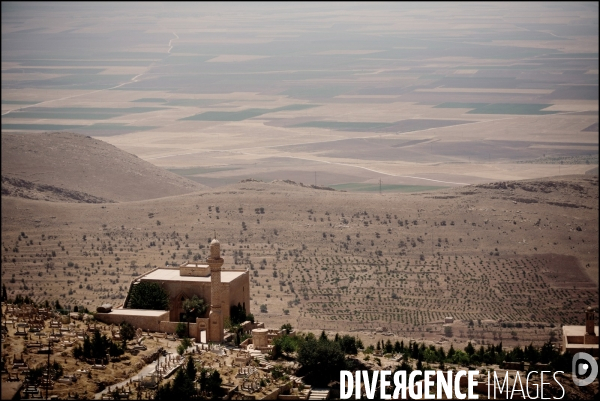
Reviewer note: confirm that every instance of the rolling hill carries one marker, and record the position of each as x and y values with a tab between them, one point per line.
76	168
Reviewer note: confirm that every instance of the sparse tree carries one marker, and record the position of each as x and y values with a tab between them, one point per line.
147	295
193	307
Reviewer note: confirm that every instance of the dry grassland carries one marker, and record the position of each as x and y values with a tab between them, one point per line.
415	98
331	260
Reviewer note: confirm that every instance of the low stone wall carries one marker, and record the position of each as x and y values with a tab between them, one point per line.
160	323
195	328
244	344
151	323
275	394
171	327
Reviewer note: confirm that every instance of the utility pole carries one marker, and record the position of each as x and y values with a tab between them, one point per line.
315	178
380	186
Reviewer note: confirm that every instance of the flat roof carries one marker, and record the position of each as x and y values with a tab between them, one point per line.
576	330
138	312
227	276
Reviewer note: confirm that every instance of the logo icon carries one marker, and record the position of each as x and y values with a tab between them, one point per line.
584	365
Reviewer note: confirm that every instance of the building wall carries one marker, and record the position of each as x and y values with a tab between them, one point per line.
151	323
215	323
202	324
196	271
179	289
593	351
237	291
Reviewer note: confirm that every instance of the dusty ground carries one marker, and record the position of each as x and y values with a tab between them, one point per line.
87	384
332	260
446	107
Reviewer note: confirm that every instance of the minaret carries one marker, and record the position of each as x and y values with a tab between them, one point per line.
589	323
215	332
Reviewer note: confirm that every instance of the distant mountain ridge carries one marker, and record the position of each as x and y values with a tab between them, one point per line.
67	167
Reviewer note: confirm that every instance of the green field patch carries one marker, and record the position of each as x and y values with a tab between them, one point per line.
192	102
119	110
498	108
83	63
62	116
293	107
179	102
88	79
512	108
79	113
150	100
131	55
186	172
315	91
182	59
344	126
98	129
432	76
570	55
110	129
75	81
25	102
227	115
64	71
243	114
361	187
41	127
498	67
459	105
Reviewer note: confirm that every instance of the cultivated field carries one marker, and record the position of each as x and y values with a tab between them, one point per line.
316	94
516	252
203	119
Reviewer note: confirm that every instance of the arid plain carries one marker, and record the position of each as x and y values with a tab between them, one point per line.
430	104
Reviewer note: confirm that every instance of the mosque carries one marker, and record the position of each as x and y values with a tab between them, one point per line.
582	338
221	289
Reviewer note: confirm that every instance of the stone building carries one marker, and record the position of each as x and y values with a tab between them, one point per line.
220	289
582	338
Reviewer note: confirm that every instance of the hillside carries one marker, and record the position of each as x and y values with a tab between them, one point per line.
67	167
504	252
